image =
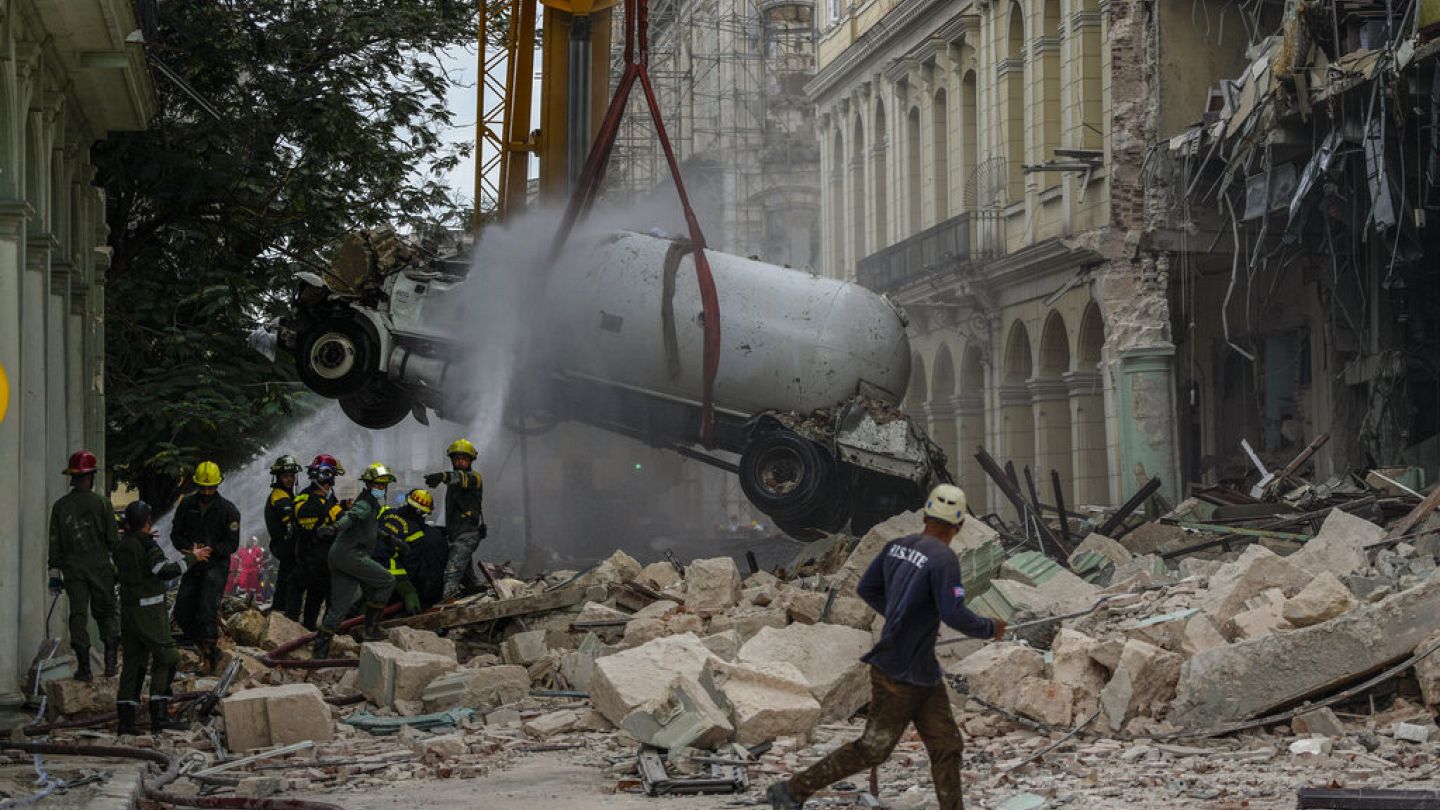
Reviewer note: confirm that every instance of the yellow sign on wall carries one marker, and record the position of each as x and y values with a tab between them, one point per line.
4	393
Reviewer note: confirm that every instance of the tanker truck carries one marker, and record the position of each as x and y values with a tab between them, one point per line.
804	402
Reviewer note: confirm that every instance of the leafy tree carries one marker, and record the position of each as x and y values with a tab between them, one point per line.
330	117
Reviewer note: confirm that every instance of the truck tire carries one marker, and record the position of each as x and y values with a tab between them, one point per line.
787	476
378	404
335	357
830	518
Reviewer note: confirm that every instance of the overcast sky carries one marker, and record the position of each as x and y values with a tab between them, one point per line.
462	67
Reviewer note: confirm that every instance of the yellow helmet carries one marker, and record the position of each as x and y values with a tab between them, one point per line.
462	447
421	500
207	474
377	473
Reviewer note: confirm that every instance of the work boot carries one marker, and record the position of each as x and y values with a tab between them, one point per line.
125	711
779	796
372	623
160	717
210	656
82	665
112	658
321	648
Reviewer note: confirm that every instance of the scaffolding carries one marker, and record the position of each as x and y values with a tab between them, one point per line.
729	78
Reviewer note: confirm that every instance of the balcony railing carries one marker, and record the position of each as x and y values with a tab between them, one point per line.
939	248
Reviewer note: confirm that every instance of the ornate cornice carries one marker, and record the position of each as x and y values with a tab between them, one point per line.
901	20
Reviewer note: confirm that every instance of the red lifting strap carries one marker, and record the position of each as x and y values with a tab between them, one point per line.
587	188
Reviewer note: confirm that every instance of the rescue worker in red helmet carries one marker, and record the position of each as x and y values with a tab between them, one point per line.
83	536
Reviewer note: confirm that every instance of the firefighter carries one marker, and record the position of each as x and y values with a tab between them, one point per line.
464	514
279	520
353	574
82	537
143	572
205	518
316	506
399	530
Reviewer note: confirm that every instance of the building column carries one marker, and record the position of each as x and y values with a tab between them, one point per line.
1146	410
1052	436
1017	429
40	477
13	216
95	358
1087	431
945	430
970	423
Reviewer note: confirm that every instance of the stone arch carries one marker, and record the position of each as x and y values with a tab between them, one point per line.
857	188
1091	339
1054	347
919	391
881	185
912	170
970	417
1054	444
940	136
1087	401
1019	362
1017	417
942	379
943	424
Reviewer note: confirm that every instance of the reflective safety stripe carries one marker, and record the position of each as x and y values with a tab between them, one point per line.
158	566
416	536
158	599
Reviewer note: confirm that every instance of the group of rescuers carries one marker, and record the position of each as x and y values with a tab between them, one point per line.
331	553
914	583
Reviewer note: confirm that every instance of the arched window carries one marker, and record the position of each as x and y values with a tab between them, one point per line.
969	127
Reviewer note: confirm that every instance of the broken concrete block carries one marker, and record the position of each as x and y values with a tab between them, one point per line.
1106	653
1257	569
617	568
1339	546
1166	630
1030	567
507	716
483	688
765	701
642	631
1284	668
1427	670
829	657
247	628
440	745
1263	614
683	714
553	723
67	696
657	610
712	584
725	646
1046	701
1200	635
279	630
1413	732
1196	567
1321	721
1100	544
1322	600
659	575
408	638
808	606
869	547
600	612
1072	665
748	621
388	673
1144	569
276	715
576	669
1144	680
524	648
994	672
1312	746
1062	593
678	623
1149	538
631	678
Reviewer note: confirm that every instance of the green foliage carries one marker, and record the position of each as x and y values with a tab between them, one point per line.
333	115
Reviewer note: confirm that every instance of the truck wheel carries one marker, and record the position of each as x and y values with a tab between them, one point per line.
335	357
827	520
378	404
787	476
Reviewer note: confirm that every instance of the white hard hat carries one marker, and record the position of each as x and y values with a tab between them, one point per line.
946	504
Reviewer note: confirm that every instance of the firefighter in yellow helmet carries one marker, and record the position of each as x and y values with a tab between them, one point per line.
204	518
400	528
464	514
353	574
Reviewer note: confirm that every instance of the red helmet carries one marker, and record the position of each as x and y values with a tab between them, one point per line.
82	462
326	460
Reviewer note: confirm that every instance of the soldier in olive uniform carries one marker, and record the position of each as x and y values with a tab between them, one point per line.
464	514
143	572
353	574
399	529
205	518
315	506
82	537
279	519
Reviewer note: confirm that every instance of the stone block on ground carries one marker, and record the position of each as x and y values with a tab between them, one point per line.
658	609
1339	546
1257	569
1427	670
388	674
1149	538
808	606
1284	668
484	688
712	584
659	575
279	630
1062	593
1144	680
1166	630
828	655
408	638
1322	600
617	568
576	668
552	723
1321	721
276	715
1104	546
684	713
1200	635
1072	665
748	621
1413	732
1046	701
1263	615
725	646
631	678
247	628
524	648
994	672
764	701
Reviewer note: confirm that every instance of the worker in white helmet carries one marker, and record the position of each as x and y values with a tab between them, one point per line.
915	583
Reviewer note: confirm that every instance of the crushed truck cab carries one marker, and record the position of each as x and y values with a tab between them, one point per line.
811	369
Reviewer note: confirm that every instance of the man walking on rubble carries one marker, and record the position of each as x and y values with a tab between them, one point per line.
82	537
353	574
915	584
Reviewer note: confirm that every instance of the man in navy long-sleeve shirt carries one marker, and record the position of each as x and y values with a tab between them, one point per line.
915	583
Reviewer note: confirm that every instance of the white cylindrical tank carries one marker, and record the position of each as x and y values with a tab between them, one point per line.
789	340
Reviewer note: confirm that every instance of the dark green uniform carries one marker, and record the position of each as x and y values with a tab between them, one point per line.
143	572
213	522
83	535
465	525
399	528
279	517
310	582
353	574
